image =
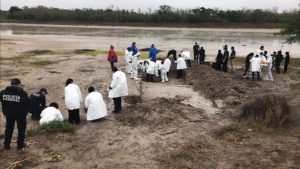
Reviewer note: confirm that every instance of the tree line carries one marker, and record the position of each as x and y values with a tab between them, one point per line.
165	14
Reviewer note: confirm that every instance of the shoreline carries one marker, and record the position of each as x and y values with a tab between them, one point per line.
145	26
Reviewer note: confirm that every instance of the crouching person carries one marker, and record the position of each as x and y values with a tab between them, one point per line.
50	114
96	107
118	88
38	103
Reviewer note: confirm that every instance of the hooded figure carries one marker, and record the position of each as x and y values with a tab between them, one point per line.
151	70
118	88
153	52
134	65
37	103
225	58
15	105
286	61
269	68
133	48
278	59
112	56
247	63
255	66
202	55
187	57
128	60
165	68
50	114
196	52
95	105
219	60
181	66
72	100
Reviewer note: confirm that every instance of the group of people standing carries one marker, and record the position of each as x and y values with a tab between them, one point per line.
199	53
16	104
223	58
262	62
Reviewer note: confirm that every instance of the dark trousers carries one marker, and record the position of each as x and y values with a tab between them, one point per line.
10	125
189	63
277	68
179	73
285	68
196	56
74	117
246	69
225	66
202	60
258	75
150	78
118	104
112	63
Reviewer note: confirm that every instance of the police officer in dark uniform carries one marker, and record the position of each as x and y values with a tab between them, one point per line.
38	103
225	58
196	51
15	104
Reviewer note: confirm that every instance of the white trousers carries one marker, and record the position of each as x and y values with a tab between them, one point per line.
164	76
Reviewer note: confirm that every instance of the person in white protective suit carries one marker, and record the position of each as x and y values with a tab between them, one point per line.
134	66
164	69
181	66
118	88
261	51
95	105
269	61
187	57
128	60
72	100
255	66
152	66
50	114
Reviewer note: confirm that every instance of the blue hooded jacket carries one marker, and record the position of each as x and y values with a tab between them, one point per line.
153	52
133	49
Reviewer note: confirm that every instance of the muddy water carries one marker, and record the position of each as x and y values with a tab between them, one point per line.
29	37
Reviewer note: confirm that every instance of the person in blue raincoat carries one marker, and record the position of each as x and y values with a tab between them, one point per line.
133	49
153	52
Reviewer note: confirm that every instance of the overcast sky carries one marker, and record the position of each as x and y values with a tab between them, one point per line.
154	4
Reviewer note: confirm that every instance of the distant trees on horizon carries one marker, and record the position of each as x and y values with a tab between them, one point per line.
165	14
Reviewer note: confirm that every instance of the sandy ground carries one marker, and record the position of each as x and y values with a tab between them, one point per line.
180	124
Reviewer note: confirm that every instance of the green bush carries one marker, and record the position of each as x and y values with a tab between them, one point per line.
54	126
42	62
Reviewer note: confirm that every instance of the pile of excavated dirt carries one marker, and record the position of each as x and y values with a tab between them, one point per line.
159	113
271	110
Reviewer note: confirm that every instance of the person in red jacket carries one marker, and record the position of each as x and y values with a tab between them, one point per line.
112	56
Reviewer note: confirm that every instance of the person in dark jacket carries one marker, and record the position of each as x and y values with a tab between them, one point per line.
202	55
15	105
278	59
232	57
219	60
286	61
37	103
247	63
173	53
196	52
225	58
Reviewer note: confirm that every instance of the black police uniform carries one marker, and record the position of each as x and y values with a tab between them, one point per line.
37	104
15	104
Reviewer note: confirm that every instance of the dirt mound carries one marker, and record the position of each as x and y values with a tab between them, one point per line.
214	84
133	99
271	110
158	113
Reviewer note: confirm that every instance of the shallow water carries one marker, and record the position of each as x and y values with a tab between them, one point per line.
100	37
